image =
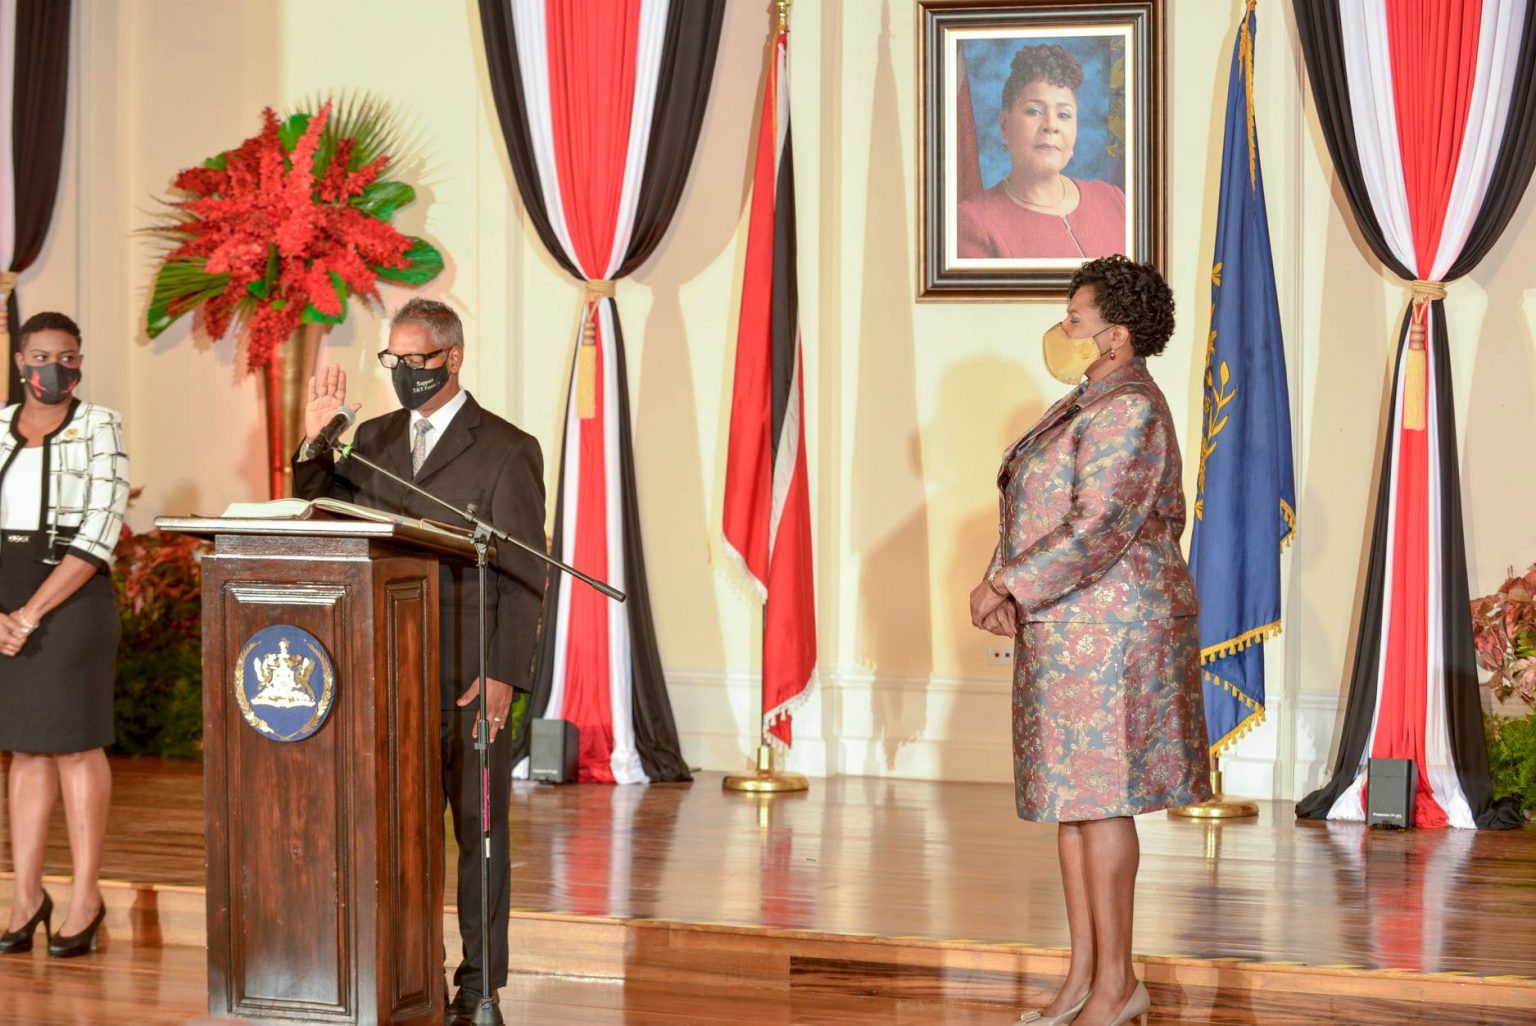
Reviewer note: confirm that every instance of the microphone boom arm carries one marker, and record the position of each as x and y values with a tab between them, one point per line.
348	452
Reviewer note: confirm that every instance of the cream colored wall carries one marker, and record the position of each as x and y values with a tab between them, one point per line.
908	403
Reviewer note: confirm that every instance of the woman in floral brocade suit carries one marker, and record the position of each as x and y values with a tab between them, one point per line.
1088	577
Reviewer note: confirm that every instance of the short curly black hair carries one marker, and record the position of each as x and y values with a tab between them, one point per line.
1042	62
1131	294
48	321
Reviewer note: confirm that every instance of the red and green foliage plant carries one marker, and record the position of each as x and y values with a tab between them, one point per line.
281	230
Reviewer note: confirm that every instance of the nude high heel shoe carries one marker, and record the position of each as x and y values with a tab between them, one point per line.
1035	1016
1136	1008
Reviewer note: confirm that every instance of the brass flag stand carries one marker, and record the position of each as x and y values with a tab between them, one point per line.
765	780
1220	806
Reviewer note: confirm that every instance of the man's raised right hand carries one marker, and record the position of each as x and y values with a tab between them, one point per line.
327	393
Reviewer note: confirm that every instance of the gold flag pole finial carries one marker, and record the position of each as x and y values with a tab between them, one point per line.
783	6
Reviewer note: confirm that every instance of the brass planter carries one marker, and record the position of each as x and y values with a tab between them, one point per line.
284	386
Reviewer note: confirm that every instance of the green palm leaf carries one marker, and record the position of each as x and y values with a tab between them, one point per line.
363	117
180	287
382	199
425	264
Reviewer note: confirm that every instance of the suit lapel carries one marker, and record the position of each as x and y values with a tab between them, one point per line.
1070	405
394	456
458	436
1062	409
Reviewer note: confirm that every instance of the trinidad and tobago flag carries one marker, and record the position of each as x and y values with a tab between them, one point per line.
767	499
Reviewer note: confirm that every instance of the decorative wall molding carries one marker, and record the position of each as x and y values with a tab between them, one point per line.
961	730
858	723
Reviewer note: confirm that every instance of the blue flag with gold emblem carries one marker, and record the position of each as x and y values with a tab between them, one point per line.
1245	494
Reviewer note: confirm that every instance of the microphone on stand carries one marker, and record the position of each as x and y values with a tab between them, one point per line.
326	439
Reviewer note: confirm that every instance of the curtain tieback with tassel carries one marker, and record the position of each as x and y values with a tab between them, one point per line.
1415	382
586	353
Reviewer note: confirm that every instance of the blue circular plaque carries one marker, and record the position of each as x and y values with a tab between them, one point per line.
285	683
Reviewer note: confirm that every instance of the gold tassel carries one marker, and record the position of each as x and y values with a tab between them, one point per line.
598	289
1416	373
586	381
1413	391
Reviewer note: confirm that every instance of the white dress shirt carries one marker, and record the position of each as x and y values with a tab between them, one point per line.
439	421
21	493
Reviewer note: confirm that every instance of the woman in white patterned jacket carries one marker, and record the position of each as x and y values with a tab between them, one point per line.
63	490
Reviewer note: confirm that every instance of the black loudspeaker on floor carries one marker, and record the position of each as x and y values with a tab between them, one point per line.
552	749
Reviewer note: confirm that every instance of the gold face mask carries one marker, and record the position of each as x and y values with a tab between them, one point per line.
1068	358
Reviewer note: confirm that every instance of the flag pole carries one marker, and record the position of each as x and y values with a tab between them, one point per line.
1220	807
763	780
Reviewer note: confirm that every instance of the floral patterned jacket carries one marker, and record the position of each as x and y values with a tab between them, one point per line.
1092	508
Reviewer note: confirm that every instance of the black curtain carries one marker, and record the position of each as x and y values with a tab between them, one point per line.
38	106
511	106
1463	702
1321	36
690	46
682	96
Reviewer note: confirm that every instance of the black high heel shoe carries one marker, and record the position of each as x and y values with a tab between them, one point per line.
20	940
82	943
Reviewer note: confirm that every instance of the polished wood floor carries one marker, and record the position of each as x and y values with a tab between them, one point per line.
900	858
127	985
137	986
871	900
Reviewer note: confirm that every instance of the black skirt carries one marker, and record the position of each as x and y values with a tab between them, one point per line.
56	695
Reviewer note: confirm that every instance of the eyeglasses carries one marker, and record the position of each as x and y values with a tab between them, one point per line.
416	361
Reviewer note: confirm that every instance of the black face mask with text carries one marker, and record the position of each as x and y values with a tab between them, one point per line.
51	383
415	387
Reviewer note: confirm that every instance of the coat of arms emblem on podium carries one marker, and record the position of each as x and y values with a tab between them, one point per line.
285	683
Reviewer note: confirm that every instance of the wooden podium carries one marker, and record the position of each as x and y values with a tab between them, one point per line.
325	855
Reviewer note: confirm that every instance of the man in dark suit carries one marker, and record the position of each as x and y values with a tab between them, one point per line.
446	443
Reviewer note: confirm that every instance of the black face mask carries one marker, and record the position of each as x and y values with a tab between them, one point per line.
51	383
415	387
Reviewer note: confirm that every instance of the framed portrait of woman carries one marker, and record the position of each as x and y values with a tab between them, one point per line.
1042	143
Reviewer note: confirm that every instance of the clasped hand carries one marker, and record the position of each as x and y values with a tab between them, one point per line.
994	611
13	636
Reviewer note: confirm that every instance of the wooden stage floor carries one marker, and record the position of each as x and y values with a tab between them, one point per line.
926	897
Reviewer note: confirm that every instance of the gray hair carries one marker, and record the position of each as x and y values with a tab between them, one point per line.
438	318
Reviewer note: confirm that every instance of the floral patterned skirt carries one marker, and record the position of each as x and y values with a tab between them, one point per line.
1108	719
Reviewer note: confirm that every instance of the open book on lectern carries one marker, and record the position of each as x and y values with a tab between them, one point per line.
332	509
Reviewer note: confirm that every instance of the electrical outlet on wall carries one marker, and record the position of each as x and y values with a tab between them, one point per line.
999	652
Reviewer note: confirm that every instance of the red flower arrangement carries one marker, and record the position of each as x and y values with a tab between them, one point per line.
1504	633
282	229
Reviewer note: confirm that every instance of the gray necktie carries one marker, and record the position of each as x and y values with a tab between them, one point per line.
419	446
